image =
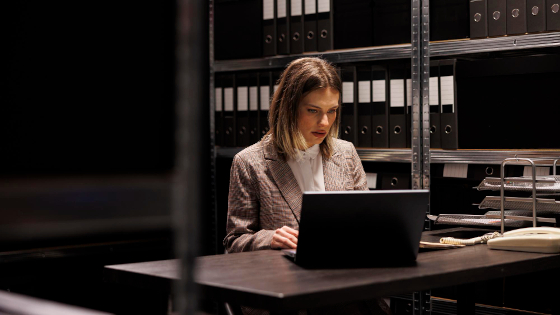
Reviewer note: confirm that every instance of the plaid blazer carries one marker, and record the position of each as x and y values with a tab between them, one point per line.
264	194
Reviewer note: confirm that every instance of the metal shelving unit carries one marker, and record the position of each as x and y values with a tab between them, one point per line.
487	156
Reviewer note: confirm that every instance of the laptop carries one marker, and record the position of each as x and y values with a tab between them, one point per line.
360	228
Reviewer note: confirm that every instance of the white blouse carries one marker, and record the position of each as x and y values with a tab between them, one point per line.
308	169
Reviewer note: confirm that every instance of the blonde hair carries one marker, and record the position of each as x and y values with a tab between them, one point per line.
301	77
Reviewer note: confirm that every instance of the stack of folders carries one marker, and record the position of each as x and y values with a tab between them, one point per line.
282	27
376	105
242	101
489	18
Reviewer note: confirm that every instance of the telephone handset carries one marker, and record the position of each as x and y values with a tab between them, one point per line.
533	239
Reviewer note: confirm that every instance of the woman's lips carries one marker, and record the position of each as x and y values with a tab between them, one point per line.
319	134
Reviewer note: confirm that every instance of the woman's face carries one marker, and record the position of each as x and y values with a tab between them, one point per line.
316	114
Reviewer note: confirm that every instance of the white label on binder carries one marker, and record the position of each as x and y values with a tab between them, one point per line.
242	100
409	92
310	7
253	98
455	170
218	99
228	99
281	6
371	180
378	90
296	7
434	91
265	97
268	9
541	171
397	92
447	91
364	92
347	92
324	6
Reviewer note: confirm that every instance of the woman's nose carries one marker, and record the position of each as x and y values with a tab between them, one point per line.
324	121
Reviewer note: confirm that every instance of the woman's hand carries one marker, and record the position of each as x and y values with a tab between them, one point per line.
284	237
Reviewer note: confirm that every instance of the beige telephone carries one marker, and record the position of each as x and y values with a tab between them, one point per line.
533	239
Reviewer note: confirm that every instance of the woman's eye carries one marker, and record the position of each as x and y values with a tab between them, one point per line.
332	111
312	111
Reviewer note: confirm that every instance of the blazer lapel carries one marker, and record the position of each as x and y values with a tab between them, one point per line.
284	178
334	171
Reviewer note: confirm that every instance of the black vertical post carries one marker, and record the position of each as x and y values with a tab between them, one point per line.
191	168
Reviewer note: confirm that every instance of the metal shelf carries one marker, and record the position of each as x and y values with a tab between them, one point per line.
437	49
487	156
372	155
335	56
504	43
385	155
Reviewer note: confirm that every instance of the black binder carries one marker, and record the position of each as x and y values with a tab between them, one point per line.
229	110
448	104
516	17
435	106
268	28
391	22
449	19
265	93
245	36
552	15
347	121
296	27
380	108
310	25
218	111
536	16
497	17
352	23
282	27
478	18
365	129
397	108
242	110
395	181
254	129
324	25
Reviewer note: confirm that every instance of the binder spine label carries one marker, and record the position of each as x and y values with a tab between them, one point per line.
324	6
310	7
281	5
434	91
253	98
364	92
455	170
268	9
242	101
397	93
448	92
228	99
296	7
218	99
275	87
378	87
371	179
409	92
541	171
265	97
347	92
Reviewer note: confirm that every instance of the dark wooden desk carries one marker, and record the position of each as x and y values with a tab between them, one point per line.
267	279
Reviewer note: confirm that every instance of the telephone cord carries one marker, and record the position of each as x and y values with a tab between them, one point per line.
471	241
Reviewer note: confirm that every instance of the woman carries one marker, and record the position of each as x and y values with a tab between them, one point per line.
301	152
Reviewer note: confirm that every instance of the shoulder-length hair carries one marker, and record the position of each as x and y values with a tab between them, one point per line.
301	77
